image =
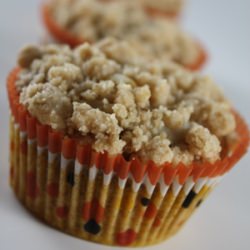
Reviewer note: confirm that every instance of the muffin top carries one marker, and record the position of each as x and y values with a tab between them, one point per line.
93	20
108	95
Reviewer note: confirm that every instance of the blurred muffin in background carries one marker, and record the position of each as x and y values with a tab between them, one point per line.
75	21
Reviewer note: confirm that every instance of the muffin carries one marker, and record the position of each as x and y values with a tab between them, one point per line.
114	149
75	21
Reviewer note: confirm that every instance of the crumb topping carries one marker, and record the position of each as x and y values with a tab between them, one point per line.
121	104
170	6
93	20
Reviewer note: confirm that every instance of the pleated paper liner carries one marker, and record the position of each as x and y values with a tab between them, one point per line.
104	198
63	35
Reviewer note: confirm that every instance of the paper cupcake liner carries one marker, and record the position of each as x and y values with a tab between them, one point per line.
200	61
62	35
99	197
58	32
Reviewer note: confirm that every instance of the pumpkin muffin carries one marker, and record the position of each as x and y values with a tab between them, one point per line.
75	21
114	149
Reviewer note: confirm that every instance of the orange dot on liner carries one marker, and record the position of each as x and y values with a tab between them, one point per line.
126	238
151	211
23	147
93	210
62	212
157	222
32	189
53	189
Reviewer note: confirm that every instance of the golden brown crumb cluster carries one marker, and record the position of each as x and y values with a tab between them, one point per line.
170	6
93	20
124	104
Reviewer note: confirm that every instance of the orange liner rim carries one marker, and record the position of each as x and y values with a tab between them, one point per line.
63	35
72	148
200	61
60	33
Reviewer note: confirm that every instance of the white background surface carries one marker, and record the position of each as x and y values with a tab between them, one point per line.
223	222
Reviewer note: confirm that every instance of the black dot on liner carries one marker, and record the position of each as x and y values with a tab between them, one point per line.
189	199
145	201
71	178
92	227
199	203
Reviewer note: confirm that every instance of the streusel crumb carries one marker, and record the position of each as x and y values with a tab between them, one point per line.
170	6
156	111
93	20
